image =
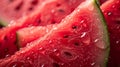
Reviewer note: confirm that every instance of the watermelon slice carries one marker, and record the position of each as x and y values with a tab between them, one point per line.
7	43
80	40
38	18
111	10
22	39
51	13
15	9
31	34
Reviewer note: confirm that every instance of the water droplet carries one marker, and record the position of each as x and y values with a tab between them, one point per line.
55	50
100	44
85	38
55	28
7	55
83	34
52	11
117	42
118	27
96	40
113	6
50	42
42	65
92	64
82	21
14	65
28	58
47	30
109	13
40	48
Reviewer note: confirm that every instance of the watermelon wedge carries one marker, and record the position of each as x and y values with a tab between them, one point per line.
31	34
80	40
111	10
37	18
52	13
22	39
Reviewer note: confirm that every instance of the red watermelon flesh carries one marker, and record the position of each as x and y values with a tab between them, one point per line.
111	10
9	33
55	11
22	39
34	19
15	9
7	43
102	1
80	40
28	34
51	13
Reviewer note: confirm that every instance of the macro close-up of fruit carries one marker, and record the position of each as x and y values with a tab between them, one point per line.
60	33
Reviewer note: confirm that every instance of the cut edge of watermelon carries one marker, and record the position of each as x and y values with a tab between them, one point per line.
17	42
106	37
3	23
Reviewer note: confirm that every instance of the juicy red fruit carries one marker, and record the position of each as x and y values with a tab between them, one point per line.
7	43
111	10
72	43
35	19
15	9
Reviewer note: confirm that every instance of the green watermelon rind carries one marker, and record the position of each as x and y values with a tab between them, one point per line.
3	23
17	42
106	36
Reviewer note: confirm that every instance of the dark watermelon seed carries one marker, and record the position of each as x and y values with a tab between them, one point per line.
53	22
34	2
30	9
65	36
15	42
58	5
19	6
76	44
68	54
38	20
61	10
56	65
1	26
5	38
74	27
